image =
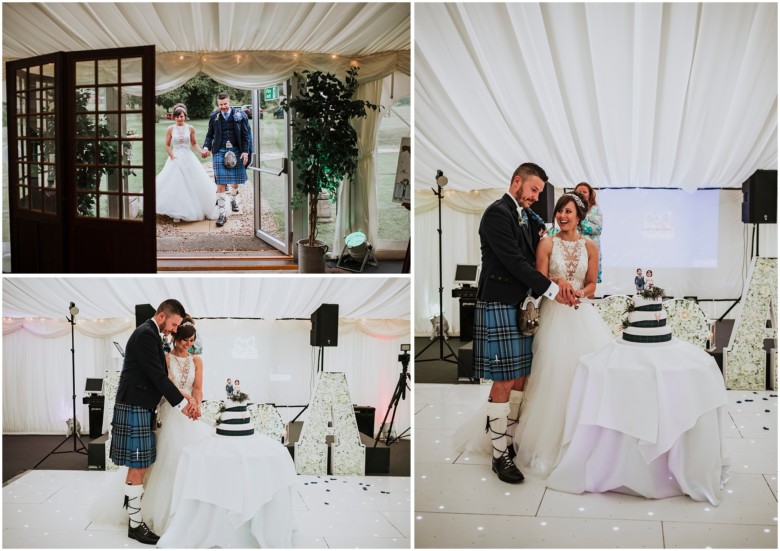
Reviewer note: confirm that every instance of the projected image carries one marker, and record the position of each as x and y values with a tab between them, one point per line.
663	228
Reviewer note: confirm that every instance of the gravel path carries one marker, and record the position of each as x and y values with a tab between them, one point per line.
236	235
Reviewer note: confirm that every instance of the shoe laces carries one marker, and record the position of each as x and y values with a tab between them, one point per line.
505	458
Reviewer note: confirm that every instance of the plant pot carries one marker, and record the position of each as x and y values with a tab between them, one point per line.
311	259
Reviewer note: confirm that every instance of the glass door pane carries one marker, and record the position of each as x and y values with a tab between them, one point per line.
269	168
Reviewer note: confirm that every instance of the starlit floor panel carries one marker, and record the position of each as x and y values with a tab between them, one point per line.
460	503
51	509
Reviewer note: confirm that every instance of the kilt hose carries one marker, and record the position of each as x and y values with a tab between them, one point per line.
226	176
132	438
501	352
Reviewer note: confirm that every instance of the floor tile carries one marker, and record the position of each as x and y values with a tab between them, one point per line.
369	543
688	535
771	480
757	424
434	446
444	417
46	515
751	455
751	401
437	530
400	520
47	538
352	524
472	489
747	500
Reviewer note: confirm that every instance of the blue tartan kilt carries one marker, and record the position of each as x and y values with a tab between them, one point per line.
132	439
501	352
224	175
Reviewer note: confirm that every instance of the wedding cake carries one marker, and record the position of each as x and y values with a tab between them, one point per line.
235	419
647	319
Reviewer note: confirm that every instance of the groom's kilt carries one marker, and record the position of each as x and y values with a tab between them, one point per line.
225	176
132	439
501	352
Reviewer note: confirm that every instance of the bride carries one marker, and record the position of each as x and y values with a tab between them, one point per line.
568	255
184	189
176	431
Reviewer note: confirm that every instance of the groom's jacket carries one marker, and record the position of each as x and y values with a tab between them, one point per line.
144	379
508	255
240	130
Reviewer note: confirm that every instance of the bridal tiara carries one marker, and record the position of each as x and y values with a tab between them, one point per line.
186	323
576	200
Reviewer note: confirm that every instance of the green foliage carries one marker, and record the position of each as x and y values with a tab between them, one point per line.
199	94
325	149
90	153
159	113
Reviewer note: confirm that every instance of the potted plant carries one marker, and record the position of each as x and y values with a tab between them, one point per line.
325	148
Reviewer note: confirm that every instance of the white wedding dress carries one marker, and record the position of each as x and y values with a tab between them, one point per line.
176	432
184	189
564	335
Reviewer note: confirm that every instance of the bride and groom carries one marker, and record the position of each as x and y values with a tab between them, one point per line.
518	260
184	189
152	456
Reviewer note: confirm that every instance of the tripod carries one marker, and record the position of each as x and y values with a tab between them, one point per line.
398	395
441	181
83	449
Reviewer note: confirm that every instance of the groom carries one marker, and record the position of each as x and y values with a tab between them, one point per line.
509	233
228	131
144	380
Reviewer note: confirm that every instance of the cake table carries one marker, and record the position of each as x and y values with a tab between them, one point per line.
645	419
232	492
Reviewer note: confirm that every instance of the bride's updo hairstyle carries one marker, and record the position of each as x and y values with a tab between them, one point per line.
178	109
186	329
579	202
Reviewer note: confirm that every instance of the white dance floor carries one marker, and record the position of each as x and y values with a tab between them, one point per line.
50	509
460	503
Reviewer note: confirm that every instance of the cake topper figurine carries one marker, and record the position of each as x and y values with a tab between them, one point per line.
639	281
229	388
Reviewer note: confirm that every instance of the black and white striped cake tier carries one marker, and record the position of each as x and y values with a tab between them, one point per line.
235	421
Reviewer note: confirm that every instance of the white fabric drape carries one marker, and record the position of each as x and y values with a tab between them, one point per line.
643	94
357	210
246	45
246	296
271	356
272	359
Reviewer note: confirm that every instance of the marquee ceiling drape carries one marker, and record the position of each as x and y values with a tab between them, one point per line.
235	297
642	94
247	45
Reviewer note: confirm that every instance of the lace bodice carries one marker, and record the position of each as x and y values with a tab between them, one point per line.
182	372
569	260
180	138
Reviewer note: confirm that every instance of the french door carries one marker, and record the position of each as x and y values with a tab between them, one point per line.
270	169
81	162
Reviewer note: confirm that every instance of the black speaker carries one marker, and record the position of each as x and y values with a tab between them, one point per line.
467	307
143	312
759	198
545	206
325	325
365	419
96	454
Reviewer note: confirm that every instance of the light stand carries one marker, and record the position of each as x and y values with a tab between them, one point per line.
441	181
398	395
83	449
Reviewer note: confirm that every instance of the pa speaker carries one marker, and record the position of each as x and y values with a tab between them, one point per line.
143	312
759	198
325	325
545	206
365	419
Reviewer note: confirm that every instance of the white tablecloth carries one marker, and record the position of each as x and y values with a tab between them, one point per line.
645	419
232	491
